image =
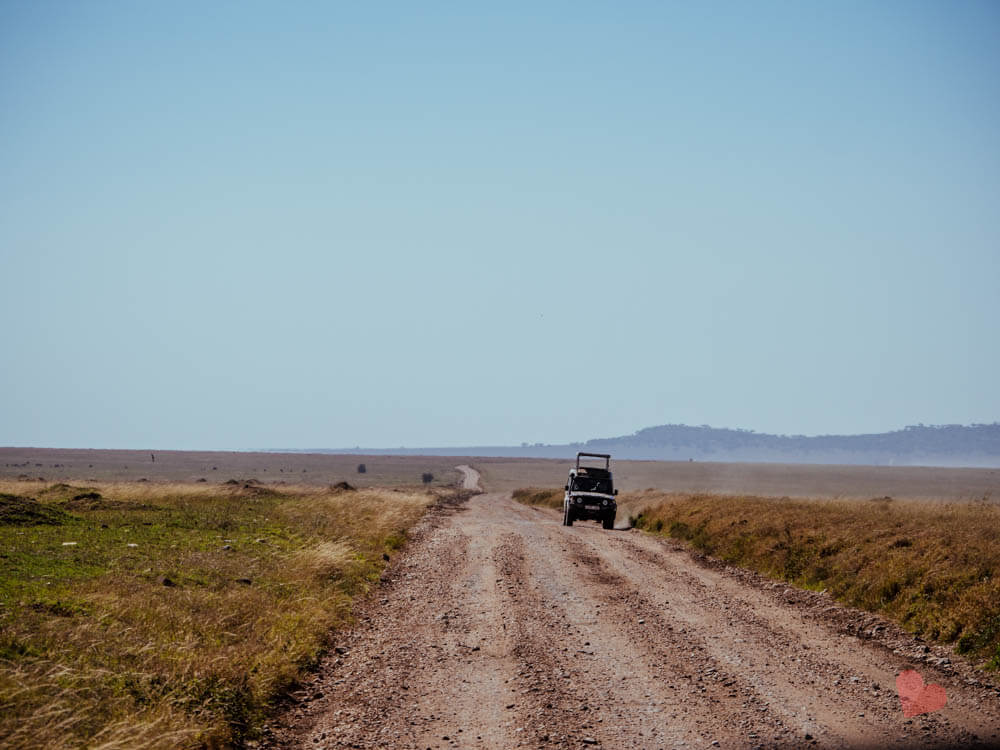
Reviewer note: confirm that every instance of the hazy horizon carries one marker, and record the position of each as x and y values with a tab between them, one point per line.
514	446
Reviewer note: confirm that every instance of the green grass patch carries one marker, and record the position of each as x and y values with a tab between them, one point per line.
173	615
934	568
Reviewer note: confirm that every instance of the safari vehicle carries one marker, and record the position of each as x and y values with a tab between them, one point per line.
590	493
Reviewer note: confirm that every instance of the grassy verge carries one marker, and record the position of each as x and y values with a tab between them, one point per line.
538	496
933	568
171	615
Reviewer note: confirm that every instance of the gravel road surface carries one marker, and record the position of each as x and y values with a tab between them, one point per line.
500	628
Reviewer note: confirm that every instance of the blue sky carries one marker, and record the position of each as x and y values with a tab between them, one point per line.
252	225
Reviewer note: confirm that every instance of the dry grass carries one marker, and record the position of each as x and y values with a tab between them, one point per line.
769	480
317	469
170	615
538	496
932	567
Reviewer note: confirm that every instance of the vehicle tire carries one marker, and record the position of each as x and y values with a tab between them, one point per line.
567	516
608	521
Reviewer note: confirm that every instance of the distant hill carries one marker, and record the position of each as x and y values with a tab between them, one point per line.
943	445
919	445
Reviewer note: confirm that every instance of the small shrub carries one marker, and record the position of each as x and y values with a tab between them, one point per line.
26	511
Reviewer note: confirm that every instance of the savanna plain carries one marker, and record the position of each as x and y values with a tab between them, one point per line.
174	599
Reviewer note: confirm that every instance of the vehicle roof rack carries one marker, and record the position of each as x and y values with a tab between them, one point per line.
605	456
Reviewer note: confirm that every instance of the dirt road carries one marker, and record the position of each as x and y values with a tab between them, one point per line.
501	628
470	477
